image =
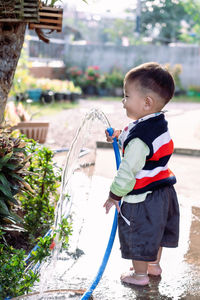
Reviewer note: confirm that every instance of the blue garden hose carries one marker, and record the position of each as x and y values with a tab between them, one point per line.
102	267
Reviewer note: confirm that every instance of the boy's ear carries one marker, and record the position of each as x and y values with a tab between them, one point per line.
148	103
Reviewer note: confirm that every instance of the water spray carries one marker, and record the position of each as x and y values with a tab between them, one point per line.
102	267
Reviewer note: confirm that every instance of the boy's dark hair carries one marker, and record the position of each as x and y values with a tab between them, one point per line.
154	77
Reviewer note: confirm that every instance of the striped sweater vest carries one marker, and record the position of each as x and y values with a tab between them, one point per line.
155	173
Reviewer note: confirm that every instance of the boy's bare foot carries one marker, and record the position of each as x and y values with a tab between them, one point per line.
153	269
133	278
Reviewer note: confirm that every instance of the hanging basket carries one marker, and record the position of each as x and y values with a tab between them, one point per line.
49	18
19	11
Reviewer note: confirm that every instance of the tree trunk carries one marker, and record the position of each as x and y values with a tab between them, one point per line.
11	42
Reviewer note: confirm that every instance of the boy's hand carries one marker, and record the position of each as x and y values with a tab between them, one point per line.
116	134
109	203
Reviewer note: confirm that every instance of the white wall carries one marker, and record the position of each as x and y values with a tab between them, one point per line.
127	57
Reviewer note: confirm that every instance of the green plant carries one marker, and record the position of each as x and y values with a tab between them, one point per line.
90	77
115	79
43	250
64	231
13	170
14	280
38	208
195	89
175	71
75	74
102	82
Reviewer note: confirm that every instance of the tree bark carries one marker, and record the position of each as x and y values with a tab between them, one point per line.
11	42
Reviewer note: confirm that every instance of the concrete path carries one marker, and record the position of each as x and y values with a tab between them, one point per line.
181	266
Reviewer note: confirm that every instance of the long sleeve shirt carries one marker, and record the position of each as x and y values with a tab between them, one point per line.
133	161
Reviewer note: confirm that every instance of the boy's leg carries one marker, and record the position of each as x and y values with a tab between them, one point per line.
154	266
139	277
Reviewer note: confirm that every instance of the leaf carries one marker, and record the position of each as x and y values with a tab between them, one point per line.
3	208
18	149
9	219
25	184
16	217
14	175
8	194
13	228
22	145
5	159
28	187
4	181
11	166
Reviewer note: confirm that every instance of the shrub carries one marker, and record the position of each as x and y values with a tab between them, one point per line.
75	74
91	77
37	204
115	79
14	281
38	208
176	71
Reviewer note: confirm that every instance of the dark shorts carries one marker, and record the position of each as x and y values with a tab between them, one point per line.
154	223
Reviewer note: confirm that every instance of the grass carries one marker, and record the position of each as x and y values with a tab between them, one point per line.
185	98
40	109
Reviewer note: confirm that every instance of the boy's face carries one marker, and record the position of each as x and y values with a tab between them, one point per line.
134	100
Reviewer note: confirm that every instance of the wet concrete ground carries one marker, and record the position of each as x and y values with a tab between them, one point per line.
181	266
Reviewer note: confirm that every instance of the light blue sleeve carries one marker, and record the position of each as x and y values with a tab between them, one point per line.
133	161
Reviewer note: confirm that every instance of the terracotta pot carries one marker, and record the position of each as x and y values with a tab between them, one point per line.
34	130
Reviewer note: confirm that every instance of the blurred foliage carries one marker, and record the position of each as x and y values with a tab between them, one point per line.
164	20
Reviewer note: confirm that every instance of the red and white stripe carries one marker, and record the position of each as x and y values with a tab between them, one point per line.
162	146
142	182
150	173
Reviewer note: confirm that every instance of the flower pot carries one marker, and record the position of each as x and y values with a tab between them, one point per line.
90	90
36	130
47	97
74	97
102	92
58	96
67	96
34	94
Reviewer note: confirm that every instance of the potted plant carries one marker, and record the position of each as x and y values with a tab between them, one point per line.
74	74
194	90
20	119
89	82
103	85
115	81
